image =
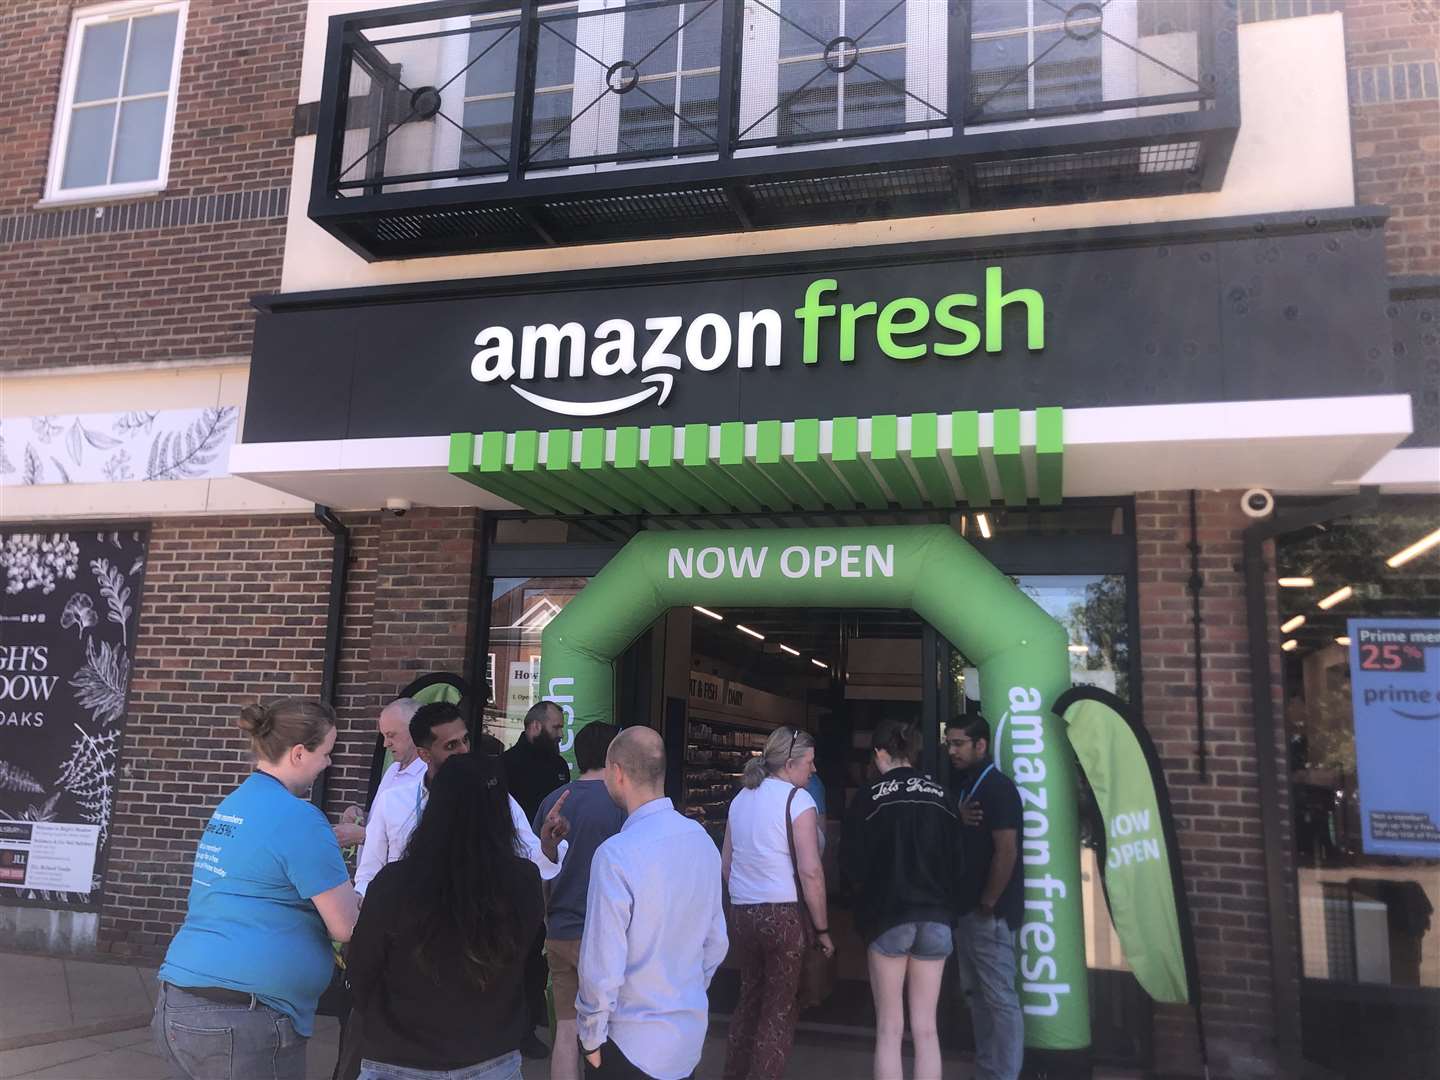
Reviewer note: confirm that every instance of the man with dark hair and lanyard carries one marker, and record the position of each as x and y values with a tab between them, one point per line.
992	899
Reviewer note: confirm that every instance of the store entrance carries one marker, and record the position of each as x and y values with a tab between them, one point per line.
833	673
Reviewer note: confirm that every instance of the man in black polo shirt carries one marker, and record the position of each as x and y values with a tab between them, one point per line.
992	899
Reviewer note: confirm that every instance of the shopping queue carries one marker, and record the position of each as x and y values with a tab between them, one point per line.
632	911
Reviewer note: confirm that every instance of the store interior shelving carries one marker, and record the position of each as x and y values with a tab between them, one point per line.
716	750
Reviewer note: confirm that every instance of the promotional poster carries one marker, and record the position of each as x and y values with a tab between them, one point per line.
68	617
1395	685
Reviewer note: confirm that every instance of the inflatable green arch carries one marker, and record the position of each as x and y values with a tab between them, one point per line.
1019	650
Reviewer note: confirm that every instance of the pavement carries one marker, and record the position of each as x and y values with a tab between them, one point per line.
86	1020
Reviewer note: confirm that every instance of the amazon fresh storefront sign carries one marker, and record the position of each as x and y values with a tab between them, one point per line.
1019	322
536	360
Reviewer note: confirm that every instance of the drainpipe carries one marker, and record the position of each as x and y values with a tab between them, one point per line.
334	626
1275	800
1196	586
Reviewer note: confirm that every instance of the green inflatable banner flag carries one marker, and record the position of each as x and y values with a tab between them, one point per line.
1141	859
1020	652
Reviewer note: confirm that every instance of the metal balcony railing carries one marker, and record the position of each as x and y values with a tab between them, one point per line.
474	125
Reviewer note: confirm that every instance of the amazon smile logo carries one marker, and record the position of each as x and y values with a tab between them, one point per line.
664	346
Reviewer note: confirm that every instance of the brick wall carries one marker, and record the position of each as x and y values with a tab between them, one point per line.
1397	142
163	277
234	611
1218	815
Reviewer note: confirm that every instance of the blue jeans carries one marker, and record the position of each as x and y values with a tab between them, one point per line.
206	1040
985	951
504	1067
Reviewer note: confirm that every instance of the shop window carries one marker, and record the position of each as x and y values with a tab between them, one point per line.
520	609
117	101
1093	609
1369	904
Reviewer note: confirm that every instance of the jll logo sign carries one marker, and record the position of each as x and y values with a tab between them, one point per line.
665	346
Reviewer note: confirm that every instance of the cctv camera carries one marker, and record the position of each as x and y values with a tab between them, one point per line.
398	507
1257	503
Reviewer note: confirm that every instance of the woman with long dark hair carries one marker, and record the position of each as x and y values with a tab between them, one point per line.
437	963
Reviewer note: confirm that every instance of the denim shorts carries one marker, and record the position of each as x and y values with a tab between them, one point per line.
922	940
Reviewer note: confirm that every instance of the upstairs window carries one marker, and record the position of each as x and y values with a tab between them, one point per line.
117	101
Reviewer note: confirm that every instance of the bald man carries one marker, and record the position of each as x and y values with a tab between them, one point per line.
407	768
654	928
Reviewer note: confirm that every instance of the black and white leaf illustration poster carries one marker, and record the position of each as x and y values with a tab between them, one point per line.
68	613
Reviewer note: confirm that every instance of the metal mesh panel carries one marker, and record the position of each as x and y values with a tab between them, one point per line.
477	223
829	190
692	207
1123	163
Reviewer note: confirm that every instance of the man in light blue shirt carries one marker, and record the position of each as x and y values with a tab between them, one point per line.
654	928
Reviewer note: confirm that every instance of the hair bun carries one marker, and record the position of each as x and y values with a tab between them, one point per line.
257	720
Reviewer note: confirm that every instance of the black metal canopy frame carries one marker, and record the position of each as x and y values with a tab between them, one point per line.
709	172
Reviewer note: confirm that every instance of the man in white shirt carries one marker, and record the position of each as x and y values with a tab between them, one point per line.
437	731
654	928
406	769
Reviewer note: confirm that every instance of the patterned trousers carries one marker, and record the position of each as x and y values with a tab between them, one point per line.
768	940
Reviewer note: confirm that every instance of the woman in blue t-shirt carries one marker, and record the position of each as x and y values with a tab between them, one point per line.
270	889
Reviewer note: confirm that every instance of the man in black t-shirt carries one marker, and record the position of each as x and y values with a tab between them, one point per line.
992	899
533	769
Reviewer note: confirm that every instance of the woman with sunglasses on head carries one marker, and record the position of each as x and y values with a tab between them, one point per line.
769	932
899	854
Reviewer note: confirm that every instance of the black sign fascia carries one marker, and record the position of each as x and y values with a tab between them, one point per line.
1291	306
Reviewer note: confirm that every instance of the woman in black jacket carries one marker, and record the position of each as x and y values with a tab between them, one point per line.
437	962
899	855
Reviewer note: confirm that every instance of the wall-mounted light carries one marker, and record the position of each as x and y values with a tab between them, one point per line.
1343	640
1290	646
753	633
983	521
706	611
787	649
1404	555
1296	582
1339	596
820	664
1293	624
1078	648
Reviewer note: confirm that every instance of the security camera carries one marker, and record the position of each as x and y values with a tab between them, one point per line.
398	507
1257	503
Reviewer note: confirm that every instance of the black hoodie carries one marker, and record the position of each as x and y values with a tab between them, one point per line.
900	852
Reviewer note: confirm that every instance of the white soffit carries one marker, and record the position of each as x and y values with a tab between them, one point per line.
1308	445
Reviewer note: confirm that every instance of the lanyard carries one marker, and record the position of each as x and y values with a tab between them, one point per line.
976	786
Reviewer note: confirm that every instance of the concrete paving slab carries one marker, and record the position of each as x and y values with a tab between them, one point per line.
137	1038
101	991
22	1062
107	1065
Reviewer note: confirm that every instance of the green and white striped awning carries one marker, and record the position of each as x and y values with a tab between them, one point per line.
935	460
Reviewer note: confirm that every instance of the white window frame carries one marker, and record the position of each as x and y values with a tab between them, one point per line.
1119	77
60	136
